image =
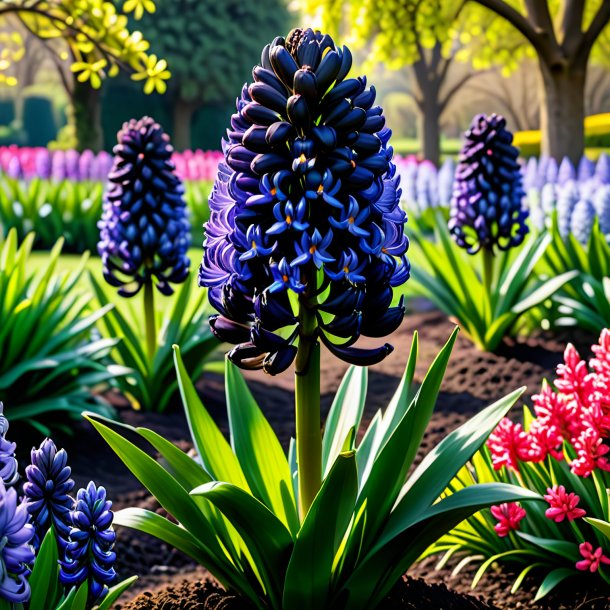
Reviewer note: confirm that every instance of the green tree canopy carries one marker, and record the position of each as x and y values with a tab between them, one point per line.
211	46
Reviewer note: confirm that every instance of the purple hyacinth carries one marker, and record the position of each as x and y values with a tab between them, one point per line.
89	554
8	463
58	166
307	156
487	210
16	553
144	231
47	490
446	175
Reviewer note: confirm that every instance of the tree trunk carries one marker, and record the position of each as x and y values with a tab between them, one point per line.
87	117
429	132
563	111
183	118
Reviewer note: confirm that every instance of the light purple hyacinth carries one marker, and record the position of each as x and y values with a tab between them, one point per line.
445	177
567	199
72	163
552	169
548	198
8	463
601	201
42	163
104	163
16	553
530	174
602	169
582	220
86	165
14	168
58	166
586	169
565	172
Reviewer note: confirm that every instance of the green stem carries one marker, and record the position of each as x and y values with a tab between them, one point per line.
488	274
149	321
307	412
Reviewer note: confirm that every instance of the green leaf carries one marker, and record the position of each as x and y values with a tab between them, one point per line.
437	469
389	470
80	599
600	525
402	543
543	291
215	452
309	575
172	496
258	450
345	414
552	579
151	523
44	579
562	548
266	537
115	592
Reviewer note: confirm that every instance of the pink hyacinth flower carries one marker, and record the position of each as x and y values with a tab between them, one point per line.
562	505
508	514
591	559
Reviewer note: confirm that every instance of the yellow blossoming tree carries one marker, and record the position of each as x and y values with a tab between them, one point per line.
94	37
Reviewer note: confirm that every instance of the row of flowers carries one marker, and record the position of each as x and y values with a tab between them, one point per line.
28	163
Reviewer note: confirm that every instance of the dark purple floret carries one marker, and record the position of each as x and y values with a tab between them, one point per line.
144	231
487	209
47	490
305	208
89	551
16	553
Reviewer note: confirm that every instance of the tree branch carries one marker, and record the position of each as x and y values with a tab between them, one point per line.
599	22
516	19
446	98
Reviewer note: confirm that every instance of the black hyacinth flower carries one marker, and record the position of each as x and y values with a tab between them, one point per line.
16	552
487	209
144	230
47	491
89	554
305	232
8	463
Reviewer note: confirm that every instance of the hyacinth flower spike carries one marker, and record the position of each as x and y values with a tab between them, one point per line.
89	554
487	211
303	243
144	230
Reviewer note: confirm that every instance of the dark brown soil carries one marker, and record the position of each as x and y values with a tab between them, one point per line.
473	380
408	594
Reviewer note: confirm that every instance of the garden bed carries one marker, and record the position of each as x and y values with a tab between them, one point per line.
473	380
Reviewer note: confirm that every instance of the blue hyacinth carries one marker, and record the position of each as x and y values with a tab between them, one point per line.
602	169
89	554
487	210
446	175
144	231
16	553
47	491
586	169
307	161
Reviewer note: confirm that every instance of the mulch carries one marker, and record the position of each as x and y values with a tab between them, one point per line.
473	381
